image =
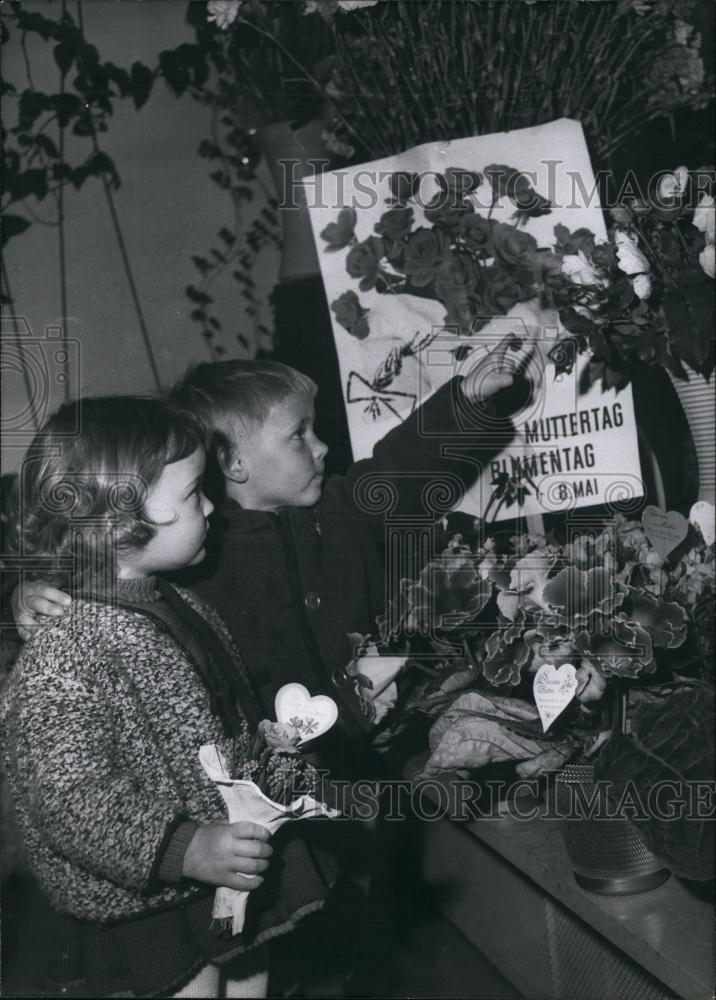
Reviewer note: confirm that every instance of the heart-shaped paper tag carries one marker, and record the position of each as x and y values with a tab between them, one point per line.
554	688
702	515
311	716
664	531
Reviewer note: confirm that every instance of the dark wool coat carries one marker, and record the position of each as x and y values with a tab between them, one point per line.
291	586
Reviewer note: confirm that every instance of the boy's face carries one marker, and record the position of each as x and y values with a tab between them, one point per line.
281	460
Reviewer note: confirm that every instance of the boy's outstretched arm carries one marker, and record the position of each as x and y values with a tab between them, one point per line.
453	435
35	603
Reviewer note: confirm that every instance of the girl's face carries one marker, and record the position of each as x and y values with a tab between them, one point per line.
179	511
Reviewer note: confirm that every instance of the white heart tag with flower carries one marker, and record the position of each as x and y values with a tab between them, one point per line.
310	716
554	688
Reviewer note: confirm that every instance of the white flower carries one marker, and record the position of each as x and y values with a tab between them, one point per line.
631	259
705	217
311	7
349	5
579	269
673	185
642	286
707	259
223	12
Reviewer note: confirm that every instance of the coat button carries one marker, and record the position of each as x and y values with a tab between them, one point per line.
312	601
340	678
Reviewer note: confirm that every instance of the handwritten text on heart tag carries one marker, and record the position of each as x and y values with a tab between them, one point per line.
311	716
664	531
553	689
702	515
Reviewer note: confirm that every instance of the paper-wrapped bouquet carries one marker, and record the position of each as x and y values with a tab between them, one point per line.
265	779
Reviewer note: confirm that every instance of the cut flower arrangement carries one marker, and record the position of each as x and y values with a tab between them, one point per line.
482	618
647	295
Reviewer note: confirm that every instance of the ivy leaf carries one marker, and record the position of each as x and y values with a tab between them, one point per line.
174	71
141	83
183	67
65	107
32	104
33	182
13	225
84	126
45	143
65	54
62	172
101	164
118	76
32	22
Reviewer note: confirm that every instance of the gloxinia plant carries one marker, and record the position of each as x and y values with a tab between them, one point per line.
479	622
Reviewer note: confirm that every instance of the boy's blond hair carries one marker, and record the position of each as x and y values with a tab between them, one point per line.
218	394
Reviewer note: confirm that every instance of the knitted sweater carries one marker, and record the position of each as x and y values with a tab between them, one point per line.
102	720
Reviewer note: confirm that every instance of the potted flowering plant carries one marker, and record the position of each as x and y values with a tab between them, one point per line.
483	618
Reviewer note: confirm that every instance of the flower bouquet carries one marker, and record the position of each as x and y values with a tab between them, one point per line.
628	619
646	295
264	781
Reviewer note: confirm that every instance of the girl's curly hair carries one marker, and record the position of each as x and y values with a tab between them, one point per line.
81	493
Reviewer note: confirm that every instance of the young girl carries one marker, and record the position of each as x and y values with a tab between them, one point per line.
106	709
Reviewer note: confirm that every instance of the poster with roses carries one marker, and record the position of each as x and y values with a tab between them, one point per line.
430	259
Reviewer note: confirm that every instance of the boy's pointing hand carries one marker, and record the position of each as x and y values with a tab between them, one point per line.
493	372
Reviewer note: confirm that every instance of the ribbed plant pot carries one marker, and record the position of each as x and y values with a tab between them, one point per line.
290	155
698	401
607	854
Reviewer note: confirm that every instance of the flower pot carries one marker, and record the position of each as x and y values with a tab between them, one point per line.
290	155
698	401
607	854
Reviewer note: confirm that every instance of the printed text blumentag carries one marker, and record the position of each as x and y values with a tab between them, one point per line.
553	689
664	531
311	716
702	515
